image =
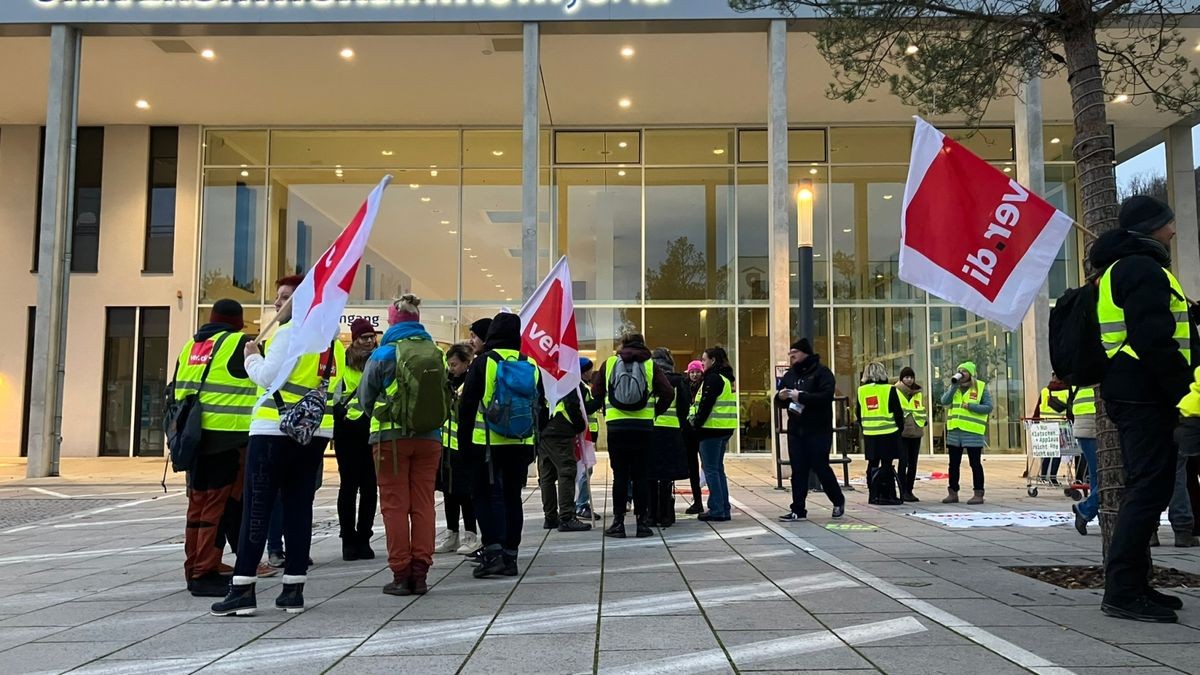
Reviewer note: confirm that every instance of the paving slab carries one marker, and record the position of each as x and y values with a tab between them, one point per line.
655	632
389	665
512	654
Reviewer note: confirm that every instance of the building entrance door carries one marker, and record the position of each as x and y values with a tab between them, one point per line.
136	371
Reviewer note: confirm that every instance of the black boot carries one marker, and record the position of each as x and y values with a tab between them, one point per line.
349	550
617	529
510	565
291	598
643	528
493	564
364	550
211	585
240	601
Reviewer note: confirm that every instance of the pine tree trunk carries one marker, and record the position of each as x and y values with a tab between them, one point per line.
1094	164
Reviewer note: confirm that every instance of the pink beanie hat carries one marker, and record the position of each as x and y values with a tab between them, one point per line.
695	365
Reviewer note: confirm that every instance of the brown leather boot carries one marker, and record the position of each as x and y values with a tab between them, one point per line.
951	497
400	583
977	499
416	582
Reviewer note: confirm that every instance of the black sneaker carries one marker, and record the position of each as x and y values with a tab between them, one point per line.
550	524
291	598
1080	521
586	513
695	509
839	510
239	601
510	566
364	550
493	564
574	525
1164	600
709	517
616	530
349	551
643	531
476	557
211	585
1140	609
792	517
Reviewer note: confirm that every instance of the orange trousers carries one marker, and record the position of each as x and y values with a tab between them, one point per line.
213	484
406	470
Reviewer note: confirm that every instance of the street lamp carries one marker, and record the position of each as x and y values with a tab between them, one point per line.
804	240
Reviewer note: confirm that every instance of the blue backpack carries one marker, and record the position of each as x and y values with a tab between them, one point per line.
511	411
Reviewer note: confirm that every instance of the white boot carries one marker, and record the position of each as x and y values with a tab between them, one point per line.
447	542
468	542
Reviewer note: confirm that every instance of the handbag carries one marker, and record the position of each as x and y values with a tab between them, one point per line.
301	421
183	420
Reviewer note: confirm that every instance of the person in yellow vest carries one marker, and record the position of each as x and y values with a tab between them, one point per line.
556	465
1053	404
454	478
667	462
497	436
881	417
633	393
912	398
583	488
1083	426
1150	341
275	463
215	481
968	404
1186	497
715	418
352	446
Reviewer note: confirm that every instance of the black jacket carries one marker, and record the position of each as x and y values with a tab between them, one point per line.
816	385
1160	375
504	333
660	388
709	393
214	442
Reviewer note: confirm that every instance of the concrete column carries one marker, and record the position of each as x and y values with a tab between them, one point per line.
1181	190
530	136
1031	172
779	189
54	254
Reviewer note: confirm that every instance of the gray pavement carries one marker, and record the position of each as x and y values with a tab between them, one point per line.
91	581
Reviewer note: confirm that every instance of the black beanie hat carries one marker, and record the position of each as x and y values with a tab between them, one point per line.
227	311
481	327
907	372
1144	214
803	345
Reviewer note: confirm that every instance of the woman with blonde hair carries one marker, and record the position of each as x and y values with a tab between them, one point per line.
881	416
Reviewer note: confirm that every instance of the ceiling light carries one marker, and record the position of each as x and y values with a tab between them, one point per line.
625	103
816	255
793	274
497	286
245	174
433	173
208	55
812	171
1008	169
911	49
622	144
497	153
1055	141
414	186
346	53
627	52
718	151
425	199
387	153
491	276
848	230
142	104
451	231
887	196
483	269
1120	98
474	257
621	173
508	299
446	222
468	248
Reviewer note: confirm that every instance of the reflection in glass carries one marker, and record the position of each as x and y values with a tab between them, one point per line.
956	336
365	148
599	225
597	147
688	332
233	147
689	245
756	379
866	234
233	224
153	375
689	146
804	145
870	145
1062	194
116	402
753	231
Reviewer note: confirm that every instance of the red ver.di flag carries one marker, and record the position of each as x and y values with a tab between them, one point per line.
319	300
972	235
548	333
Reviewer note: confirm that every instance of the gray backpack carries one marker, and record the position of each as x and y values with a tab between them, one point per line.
627	386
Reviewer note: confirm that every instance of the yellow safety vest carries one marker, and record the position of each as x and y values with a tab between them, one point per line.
1084	403
226	401
669	419
350	382
614	414
480	435
724	415
914	406
1113	332
1190	405
306	376
1048	412
450	429
875	410
593	419
958	417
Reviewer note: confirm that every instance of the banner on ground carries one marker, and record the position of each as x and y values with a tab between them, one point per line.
971	234
319	300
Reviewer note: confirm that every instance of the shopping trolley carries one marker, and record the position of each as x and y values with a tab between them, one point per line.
1051	458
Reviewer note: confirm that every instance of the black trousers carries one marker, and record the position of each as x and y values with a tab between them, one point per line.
810	453
1148	451
691	448
456	505
882	451
499	509
910	452
628	450
661	504
975	457
356	471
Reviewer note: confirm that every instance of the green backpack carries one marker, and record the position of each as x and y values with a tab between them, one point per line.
421	402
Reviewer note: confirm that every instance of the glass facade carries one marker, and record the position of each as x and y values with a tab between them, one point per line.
666	231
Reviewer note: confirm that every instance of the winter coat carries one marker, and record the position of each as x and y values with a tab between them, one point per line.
714	384
662	393
504	333
381	371
214	442
667	460
816	385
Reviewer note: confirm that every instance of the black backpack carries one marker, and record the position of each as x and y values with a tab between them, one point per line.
1076	352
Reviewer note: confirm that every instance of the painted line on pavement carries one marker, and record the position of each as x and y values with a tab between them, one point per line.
52	493
126	505
126	521
746	655
995	644
156	548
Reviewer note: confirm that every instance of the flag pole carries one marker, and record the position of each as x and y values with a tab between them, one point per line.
287	305
1083	229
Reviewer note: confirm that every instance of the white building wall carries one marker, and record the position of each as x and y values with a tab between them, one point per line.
118	283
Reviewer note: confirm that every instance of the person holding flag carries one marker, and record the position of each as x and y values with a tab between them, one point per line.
292	420
556	464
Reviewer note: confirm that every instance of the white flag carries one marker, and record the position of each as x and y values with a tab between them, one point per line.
548	333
